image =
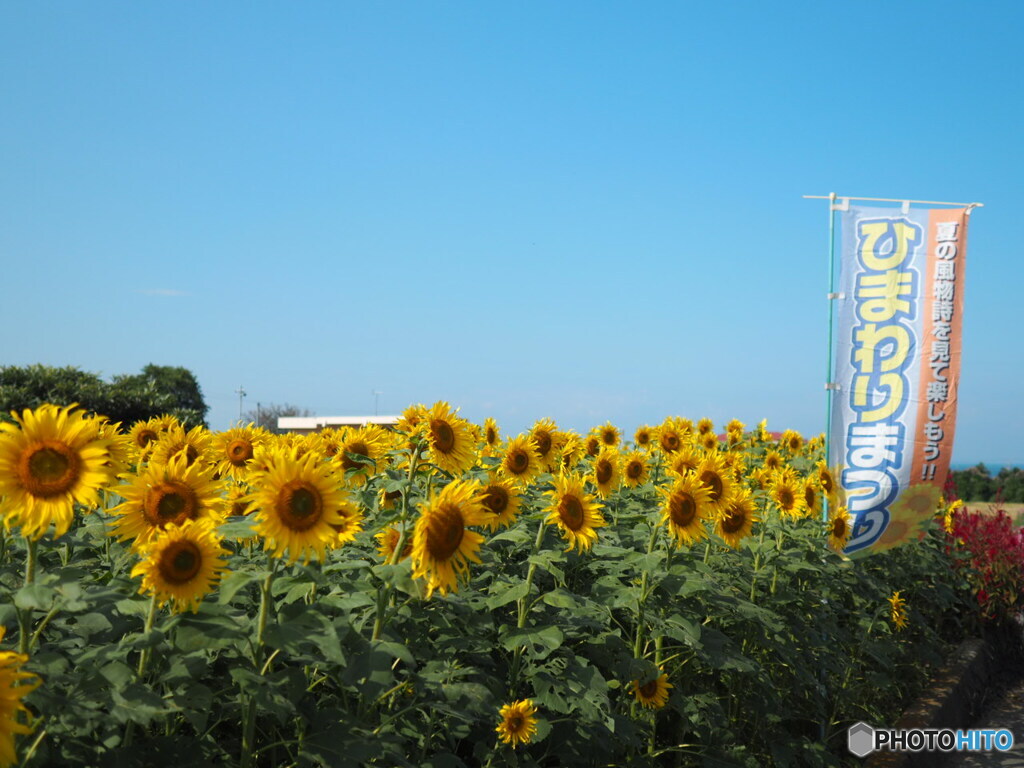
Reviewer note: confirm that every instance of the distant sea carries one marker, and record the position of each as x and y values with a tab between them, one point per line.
993	468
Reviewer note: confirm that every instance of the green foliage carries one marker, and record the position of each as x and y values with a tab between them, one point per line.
978	484
157	390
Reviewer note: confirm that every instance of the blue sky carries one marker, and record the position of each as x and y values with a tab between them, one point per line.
583	211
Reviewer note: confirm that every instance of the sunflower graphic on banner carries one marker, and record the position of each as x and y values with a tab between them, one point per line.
897	366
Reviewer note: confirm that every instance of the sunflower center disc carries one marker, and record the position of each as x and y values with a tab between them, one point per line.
714	482
634	469
359	449
570	510
145	437
670	442
496	499
603	471
839	528
809	497
180	562
543	440
734	520
444	534
444	435
50	469
518	461
786	498
239	452
648	690
169	502
299	505
683	509
492	436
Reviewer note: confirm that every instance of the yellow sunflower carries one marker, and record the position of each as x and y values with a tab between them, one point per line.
165	494
713	473
685	507
449	439
708	441
442	544
413	419
547	439
14	686
840	525
50	460
670	437
491	437
572	452
608	434
654	693
576	513
521	463
791	441
387	540
592	445
737	520
299	500
826	478
705	426
368	442
787	496
234	449
501	503
644	437
607	472
182	564
192	445
812	497
684	461
143	436
772	460
518	724
388	499
898	611
238	501
350	525
634	469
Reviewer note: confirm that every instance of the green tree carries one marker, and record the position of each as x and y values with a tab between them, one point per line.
126	398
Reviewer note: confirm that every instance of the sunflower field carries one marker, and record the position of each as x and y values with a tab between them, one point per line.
440	595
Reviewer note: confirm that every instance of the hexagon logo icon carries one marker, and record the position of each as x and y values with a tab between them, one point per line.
860	739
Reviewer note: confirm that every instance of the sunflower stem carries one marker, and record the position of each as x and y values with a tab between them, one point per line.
249	712
140	670
524	610
25	615
757	564
384	590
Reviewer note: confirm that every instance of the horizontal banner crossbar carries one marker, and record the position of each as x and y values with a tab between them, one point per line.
891	200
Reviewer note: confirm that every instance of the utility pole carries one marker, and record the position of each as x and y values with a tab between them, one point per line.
241	393
259	417
376	399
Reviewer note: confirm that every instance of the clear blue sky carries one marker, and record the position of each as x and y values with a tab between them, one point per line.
587	211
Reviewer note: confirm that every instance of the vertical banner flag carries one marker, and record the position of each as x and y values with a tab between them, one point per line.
900	305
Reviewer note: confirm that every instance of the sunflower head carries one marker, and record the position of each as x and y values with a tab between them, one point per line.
299	501
705	426
443	546
500	499
898	611
635	470
491	437
450	440
737	519
643	438
576	513
182	564
607	472
167	494
651	694
233	450
608	434
713	473
592	445
685	506
517	723
51	459
840	525
521	462
387	541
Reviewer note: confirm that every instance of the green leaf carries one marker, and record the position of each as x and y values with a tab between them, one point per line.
559	598
547	638
237	528
233	583
35	597
507	595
